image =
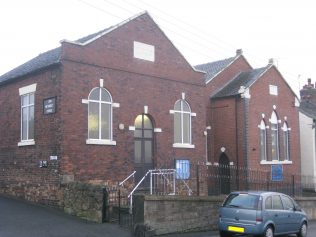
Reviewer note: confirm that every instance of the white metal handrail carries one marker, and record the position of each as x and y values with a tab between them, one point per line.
163	173
130	196
127	178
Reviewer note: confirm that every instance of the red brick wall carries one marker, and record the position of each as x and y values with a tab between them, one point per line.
20	172
223	133
221	114
262	102
133	83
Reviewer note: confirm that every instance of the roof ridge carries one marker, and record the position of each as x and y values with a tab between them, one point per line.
94	36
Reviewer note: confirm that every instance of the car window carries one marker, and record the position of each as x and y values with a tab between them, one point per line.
268	203
276	202
287	203
247	201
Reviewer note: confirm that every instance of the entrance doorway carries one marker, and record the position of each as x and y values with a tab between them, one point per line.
143	145
224	171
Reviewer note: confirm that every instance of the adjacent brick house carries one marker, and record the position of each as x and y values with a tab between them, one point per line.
253	117
95	109
308	135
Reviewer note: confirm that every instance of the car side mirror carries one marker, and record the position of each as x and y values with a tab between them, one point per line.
297	209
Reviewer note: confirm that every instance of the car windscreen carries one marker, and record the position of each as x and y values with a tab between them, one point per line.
244	200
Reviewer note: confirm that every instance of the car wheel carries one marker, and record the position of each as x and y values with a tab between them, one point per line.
224	234
268	232
303	230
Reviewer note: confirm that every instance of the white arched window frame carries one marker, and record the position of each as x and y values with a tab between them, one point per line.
182	124
286	141
274	137
100	117
263	140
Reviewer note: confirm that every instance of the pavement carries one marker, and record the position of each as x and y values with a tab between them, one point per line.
20	218
23	219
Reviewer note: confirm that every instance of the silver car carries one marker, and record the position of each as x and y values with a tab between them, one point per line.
261	213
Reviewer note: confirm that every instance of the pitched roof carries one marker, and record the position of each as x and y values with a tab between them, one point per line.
245	79
52	57
308	109
43	60
213	68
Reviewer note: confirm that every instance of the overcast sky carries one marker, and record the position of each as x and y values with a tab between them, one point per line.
203	30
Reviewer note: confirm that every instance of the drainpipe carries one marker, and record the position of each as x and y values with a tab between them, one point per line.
237	149
244	94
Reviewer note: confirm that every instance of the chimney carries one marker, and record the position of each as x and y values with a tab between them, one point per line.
271	61
309	84
238	52
308	93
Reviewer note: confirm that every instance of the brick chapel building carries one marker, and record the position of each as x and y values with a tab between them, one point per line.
123	99
98	108
254	119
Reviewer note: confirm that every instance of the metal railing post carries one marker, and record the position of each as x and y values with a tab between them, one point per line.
151	183
119	205
293	185
197	180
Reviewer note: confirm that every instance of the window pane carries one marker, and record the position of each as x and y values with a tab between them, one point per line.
93	122
186	128
286	146
147	122
138	133
177	105
95	94
263	144
287	203
105	121
148	133
137	151
177	128
268	203
186	107
105	96
276	202
24	123
148	152
274	144
25	100
31	98
31	122
138	121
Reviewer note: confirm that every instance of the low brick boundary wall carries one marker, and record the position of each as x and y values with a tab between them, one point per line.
169	214
84	200
308	204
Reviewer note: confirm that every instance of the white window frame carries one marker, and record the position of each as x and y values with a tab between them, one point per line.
100	141
274	121
263	149
27	91
182	144
273	90
286	134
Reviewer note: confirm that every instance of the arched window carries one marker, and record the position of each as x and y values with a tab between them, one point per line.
274	136
263	140
286	131
182	122
100	115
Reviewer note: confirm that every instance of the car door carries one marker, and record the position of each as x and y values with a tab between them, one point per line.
293	217
275	212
